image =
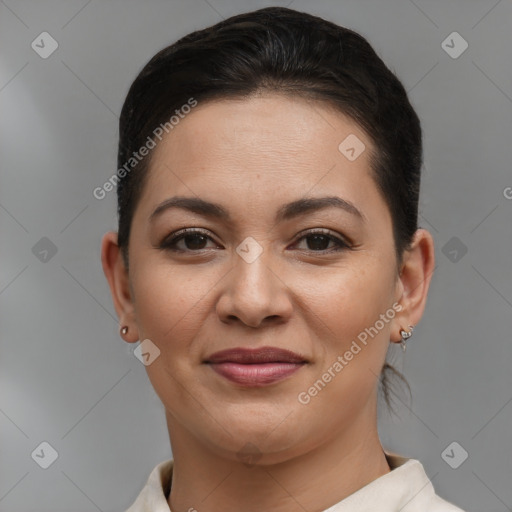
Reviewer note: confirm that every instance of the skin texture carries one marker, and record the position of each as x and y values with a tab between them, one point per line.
252	156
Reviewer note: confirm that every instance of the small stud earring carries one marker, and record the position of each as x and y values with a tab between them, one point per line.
405	336
124	329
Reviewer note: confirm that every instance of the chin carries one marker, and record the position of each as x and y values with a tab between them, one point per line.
267	442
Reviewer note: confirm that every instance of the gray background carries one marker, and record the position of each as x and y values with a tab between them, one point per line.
68	378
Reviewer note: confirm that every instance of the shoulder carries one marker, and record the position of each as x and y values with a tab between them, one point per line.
418	492
438	504
153	497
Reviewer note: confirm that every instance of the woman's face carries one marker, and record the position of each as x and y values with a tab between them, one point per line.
273	270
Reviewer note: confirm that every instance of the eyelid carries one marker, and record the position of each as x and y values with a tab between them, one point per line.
341	242
178	235
327	232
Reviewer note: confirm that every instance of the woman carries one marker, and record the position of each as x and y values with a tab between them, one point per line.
267	254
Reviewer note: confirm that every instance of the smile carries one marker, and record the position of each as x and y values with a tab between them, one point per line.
255	367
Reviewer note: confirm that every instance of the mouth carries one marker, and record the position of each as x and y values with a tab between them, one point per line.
255	367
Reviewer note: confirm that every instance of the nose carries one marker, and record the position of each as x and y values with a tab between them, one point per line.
254	293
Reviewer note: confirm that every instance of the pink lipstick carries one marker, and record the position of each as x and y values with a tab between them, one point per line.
255	367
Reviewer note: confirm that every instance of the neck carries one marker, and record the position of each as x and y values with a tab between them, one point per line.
313	481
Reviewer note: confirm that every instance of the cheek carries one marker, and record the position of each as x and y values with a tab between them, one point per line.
169	300
349	300
348	305
169	303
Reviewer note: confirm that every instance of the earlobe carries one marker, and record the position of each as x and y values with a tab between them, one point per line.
118	280
415	277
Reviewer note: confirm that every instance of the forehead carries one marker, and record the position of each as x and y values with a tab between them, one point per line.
252	153
261	127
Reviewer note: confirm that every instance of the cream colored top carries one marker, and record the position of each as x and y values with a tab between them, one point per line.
406	488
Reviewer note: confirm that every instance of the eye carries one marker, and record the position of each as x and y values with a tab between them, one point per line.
193	239
318	241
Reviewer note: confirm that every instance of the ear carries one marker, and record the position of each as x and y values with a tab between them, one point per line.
118	280
414	282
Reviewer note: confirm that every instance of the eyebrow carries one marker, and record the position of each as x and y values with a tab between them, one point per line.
285	212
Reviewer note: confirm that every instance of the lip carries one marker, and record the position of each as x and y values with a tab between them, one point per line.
260	355
255	367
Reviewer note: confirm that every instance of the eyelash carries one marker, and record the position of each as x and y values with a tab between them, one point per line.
169	243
